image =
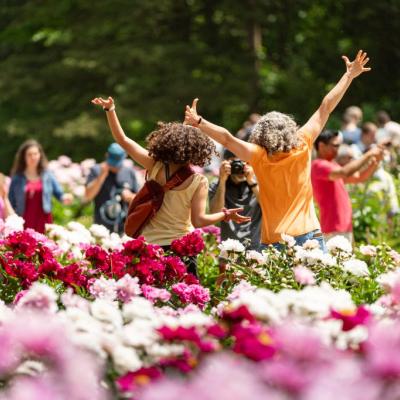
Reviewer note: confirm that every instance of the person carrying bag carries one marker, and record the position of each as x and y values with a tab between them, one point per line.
149	200
174	198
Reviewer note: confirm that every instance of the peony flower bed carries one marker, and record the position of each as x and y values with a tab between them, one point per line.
86	314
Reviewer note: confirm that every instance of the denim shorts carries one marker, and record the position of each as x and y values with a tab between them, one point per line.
301	239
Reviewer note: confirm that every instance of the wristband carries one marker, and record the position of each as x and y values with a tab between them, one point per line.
199	121
226	214
112	108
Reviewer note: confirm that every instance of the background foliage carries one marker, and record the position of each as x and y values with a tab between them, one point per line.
154	56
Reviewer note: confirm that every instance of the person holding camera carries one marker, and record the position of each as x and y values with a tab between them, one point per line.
237	188
112	186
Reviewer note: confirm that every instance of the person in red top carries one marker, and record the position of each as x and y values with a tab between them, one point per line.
328	181
33	186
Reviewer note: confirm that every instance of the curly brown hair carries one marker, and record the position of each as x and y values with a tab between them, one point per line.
174	142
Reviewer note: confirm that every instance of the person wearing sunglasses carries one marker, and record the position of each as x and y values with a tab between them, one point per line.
328	180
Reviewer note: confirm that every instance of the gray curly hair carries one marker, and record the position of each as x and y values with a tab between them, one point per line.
276	132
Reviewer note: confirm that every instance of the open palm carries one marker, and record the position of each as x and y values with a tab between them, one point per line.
105	103
357	67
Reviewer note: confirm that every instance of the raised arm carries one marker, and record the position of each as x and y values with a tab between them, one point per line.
316	123
135	150
238	147
350	172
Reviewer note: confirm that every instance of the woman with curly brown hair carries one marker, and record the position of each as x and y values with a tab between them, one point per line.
280	154
170	147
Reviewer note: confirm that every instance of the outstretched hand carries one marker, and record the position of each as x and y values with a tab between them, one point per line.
233	215
357	67
191	116
105	103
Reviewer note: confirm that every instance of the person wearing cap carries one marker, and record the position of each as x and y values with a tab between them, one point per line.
112	186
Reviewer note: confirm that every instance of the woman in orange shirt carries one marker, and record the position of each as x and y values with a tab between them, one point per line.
280	154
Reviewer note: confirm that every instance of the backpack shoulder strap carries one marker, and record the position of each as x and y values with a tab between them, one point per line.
178	177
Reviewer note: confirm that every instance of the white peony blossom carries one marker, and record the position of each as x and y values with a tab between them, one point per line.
126	359
99	231
138	307
254	255
230	245
289	240
356	267
13	223
106	311
389	279
368	250
39	297
339	243
311	244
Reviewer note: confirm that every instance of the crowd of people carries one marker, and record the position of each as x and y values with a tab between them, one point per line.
270	174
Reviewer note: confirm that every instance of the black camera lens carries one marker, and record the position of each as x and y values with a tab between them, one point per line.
237	167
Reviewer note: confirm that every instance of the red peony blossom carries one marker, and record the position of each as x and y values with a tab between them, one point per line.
217	331
22	242
99	258
351	319
175	268
134	248
253	341
118	262
190	279
22	269
185	363
49	267
72	275
190	245
135	380
238	315
179	333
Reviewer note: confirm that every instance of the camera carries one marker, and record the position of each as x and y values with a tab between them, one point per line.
388	144
237	167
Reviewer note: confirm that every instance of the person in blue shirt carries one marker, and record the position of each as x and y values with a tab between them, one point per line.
33	186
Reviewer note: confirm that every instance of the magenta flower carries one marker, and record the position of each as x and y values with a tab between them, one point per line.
135	380
253	341
352	318
190	245
194	294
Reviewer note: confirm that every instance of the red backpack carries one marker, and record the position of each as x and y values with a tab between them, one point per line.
149	200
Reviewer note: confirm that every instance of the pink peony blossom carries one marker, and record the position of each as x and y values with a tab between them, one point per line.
153	294
127	288
194	294
303	275
103	289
